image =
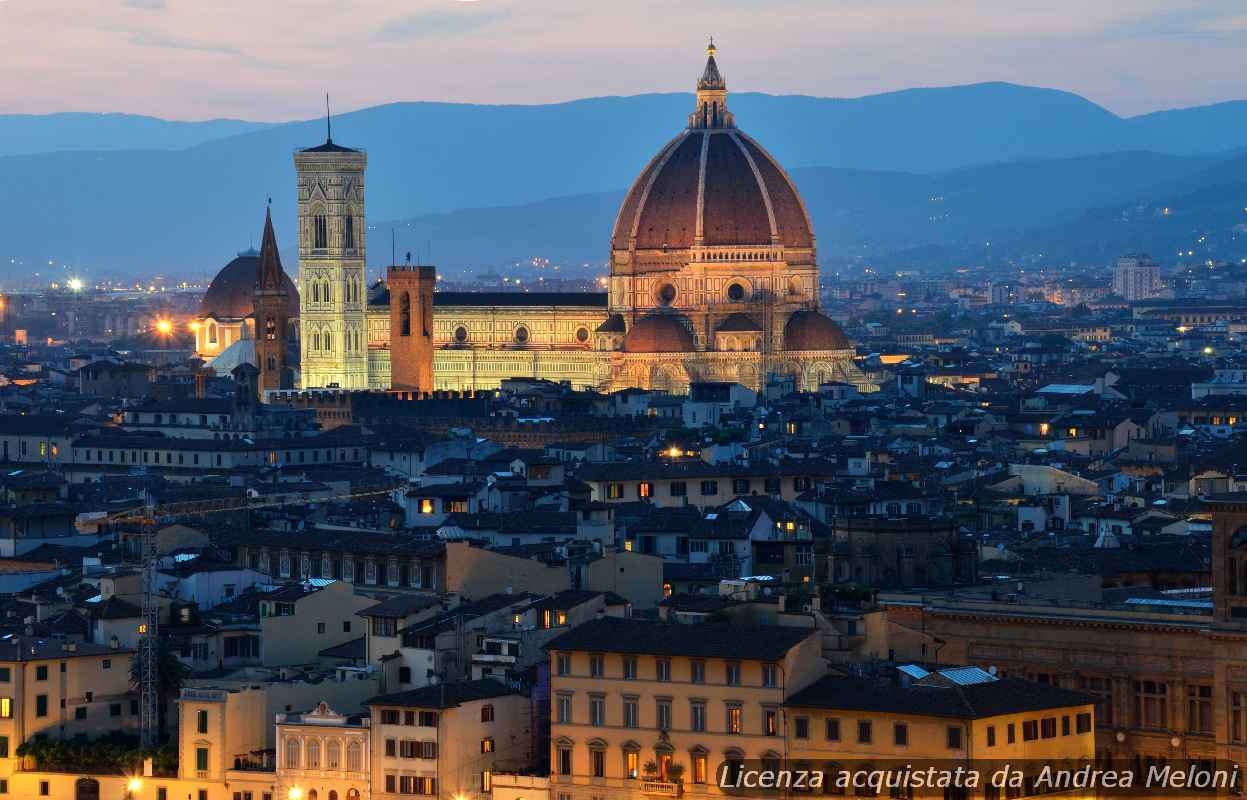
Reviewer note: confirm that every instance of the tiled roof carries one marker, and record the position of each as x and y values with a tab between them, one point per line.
708	640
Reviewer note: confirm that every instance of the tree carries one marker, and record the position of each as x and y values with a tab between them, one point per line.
171	673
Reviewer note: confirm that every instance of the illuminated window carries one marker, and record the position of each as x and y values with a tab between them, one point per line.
632	760
645	489
426	506
6	707
733	719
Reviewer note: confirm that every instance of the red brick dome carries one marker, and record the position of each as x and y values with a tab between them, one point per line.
712	185
658	333
810	330
719	184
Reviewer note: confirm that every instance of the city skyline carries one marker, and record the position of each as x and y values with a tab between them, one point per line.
273	63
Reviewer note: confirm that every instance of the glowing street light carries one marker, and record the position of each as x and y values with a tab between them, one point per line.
164	327
75	284
295	793
133	787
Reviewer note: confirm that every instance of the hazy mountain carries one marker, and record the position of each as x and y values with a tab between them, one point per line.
22	134
188	210
857	213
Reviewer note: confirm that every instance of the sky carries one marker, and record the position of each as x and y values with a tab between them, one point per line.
273	60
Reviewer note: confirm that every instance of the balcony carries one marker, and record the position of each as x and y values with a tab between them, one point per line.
660	788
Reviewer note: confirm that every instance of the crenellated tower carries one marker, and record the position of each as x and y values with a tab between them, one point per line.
333	296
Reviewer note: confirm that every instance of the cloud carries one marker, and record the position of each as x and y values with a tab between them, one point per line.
154	5
439	23
157	40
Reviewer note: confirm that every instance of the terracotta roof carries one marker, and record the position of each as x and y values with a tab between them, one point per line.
658	333
707	640
810	330
739	322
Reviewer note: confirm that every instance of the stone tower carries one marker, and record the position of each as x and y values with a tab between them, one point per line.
332	293
411	327
272	308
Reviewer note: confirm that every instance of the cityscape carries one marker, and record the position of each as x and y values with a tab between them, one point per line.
749	475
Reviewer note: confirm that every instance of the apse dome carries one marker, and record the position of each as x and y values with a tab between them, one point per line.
810	330
230	294
658	333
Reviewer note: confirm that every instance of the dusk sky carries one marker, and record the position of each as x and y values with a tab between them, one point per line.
274	59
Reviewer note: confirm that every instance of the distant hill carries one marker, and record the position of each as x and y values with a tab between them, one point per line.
869	167
24	134
970	215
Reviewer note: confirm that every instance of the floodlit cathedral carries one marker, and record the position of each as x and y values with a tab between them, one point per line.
713	277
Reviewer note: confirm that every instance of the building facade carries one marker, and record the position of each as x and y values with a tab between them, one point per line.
713	277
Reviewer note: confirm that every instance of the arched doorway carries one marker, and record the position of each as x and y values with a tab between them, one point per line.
87	789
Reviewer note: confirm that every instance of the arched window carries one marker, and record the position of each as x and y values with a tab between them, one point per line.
315	340
354	759
348	233
320	232
270	328
315	292
211	333
313	754
292	753
404	314
333	794
272	363
333	751
311	794
327	341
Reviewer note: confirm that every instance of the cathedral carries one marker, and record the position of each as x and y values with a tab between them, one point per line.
713	277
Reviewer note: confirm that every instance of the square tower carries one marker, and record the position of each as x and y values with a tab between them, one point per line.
332	292
411	327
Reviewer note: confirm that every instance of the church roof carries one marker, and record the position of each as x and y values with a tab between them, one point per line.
231	293
712	185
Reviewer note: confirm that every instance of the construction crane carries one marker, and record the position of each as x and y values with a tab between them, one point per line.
147	517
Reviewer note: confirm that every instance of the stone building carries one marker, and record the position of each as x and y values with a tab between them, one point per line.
713	277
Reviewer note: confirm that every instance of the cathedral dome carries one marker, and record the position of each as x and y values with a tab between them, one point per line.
658	333
229	296
712	185
810	330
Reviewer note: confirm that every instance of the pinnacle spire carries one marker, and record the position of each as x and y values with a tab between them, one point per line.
711	96
269	276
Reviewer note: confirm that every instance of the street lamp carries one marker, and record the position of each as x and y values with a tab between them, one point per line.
75	284
295	793
133	787
164	327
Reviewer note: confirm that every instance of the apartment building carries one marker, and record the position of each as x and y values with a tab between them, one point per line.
643	708
58	690
447	740
843	725
299	620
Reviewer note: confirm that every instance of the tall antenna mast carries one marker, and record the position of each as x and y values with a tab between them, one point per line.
328	121
393	246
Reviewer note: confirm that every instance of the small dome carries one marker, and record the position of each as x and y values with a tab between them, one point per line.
810	330
738	322
658	333
230	295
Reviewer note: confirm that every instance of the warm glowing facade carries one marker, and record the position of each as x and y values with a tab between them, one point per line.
713	277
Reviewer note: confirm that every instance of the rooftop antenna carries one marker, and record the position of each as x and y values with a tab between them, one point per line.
328	122
393	247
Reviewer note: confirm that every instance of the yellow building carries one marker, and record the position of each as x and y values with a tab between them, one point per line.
853	728
640	708
447	740
60	690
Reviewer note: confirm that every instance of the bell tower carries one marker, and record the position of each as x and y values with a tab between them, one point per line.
272	310
332	294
